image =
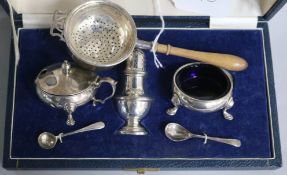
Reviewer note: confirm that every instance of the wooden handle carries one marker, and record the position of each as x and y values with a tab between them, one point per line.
225	61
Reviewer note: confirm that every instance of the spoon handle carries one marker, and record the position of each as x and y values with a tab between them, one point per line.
233	142
94	126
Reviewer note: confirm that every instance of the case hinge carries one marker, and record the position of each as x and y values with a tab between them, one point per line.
233	22
142	170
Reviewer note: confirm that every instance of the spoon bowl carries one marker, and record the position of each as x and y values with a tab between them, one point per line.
47	140
176	132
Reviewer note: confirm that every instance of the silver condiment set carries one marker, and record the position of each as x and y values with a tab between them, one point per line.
68	86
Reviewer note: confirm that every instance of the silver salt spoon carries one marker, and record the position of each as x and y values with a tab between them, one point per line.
48	140
177	133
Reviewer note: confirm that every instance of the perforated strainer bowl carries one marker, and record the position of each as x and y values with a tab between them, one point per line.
99	34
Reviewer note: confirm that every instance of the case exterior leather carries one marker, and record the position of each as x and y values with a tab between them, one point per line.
194	22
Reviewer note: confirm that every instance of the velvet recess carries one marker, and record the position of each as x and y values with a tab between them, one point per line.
251	114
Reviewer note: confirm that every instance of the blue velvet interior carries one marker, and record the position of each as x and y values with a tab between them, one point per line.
250	125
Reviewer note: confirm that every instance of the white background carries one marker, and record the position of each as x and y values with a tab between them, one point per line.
278	34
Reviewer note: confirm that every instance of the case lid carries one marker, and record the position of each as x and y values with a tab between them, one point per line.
264	9
177	13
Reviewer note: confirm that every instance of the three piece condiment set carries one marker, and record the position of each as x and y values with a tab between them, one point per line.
100	35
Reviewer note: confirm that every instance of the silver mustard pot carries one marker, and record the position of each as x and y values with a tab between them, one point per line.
66	86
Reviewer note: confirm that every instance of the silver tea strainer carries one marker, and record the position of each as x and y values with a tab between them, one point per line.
100	34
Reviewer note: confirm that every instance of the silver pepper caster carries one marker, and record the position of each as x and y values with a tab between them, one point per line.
133	105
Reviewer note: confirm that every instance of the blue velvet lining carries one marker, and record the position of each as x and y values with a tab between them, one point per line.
251	119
